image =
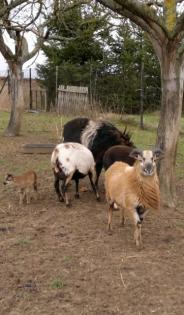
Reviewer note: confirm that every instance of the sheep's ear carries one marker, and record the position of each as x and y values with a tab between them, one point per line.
136	154
158	154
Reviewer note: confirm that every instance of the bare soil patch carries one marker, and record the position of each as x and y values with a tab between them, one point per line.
58	260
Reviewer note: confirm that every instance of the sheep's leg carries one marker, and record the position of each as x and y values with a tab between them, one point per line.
141	212
98	172
64	188
57	189
144	214
110	210
137	232
94	187
122	220
77	188
137	235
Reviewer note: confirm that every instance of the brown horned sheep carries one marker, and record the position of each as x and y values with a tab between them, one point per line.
134	189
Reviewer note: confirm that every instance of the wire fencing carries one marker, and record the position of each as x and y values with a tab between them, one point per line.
100	96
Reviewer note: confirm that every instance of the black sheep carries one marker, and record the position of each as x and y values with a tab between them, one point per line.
98	136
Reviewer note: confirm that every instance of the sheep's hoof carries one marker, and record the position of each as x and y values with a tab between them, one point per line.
68	205
109	231
139	247
139	244
98	198
122	223
77	196
61	199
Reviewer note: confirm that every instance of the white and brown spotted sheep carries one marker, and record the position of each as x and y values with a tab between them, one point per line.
72	161
133	189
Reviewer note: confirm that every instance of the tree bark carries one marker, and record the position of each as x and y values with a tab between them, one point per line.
166	32
172	76
16	100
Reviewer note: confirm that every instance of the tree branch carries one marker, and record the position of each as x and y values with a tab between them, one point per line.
181	50
179	28
140	13
37	47
5	50
5	9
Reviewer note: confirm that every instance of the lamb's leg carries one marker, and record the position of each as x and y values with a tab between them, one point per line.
21	196
91	175
27	195
35	190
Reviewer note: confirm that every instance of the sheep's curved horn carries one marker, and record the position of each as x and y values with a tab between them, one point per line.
158	153
124	131
135	153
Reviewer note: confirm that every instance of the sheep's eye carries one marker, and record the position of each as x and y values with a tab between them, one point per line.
144	159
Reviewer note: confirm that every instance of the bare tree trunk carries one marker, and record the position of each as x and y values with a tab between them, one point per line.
16	100
169	125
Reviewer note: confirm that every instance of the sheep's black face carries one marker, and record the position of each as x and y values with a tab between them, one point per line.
8	179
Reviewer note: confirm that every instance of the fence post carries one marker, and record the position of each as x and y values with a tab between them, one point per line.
30	91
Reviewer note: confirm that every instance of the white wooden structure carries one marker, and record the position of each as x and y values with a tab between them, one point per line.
72	100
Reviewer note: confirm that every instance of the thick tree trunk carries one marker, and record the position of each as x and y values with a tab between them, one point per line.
169	125
16	100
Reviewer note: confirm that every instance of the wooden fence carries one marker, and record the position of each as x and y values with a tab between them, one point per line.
72	100
38	99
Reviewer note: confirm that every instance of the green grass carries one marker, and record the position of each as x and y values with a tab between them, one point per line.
23	242
48	127
57	284
4	117
47	124
67	259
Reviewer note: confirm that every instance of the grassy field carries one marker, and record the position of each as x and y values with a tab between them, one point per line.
48	126
58	260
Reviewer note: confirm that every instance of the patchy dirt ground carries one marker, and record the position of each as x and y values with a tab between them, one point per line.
57	260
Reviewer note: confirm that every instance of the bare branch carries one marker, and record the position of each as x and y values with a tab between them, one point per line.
38	45
140	14
179	28
181	51
156	3
5	50
5	9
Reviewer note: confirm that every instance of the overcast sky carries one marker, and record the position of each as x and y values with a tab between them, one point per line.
38	59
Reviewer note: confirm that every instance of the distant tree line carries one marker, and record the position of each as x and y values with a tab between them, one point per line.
89	47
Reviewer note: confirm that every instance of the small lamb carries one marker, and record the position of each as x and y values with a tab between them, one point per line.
24	183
